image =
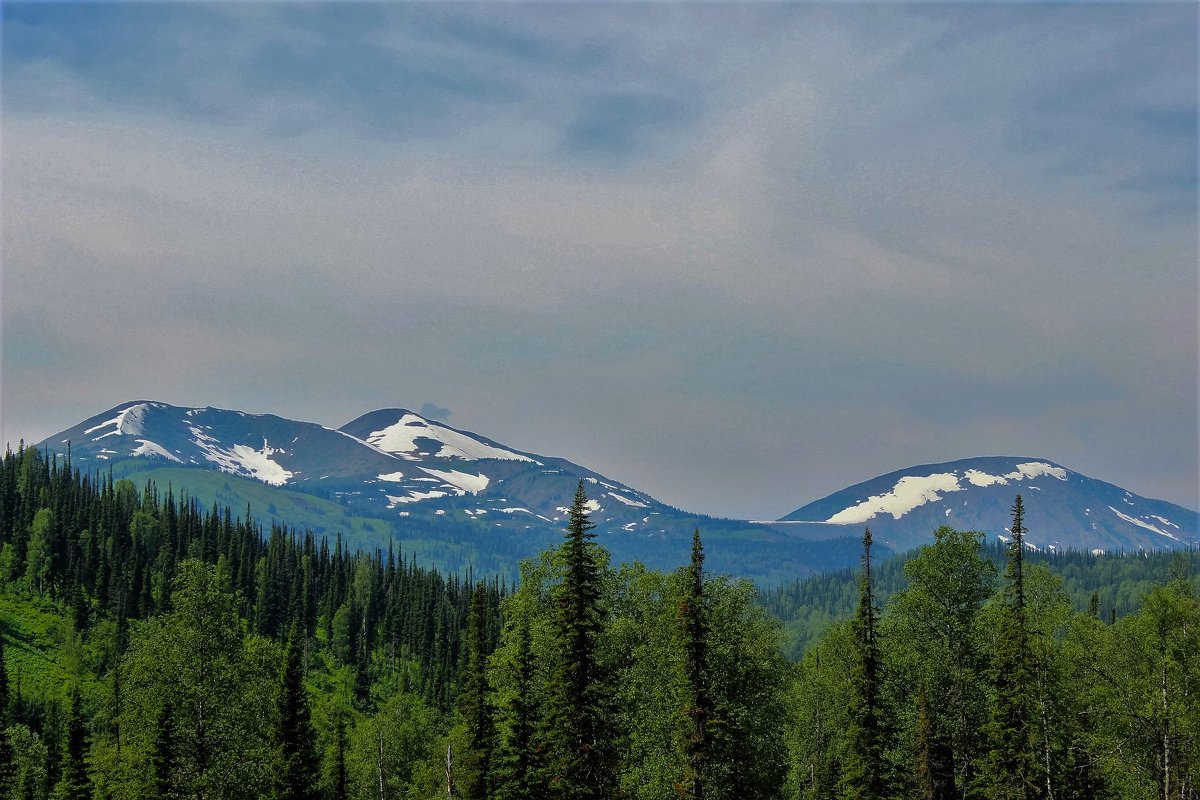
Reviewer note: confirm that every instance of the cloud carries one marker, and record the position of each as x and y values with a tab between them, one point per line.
734	256
434	411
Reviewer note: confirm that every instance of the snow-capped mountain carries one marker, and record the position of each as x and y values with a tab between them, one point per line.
391	463
1063	508
456	498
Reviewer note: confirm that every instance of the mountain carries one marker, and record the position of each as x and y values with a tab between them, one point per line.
388	463
1063	509
449	496
455	498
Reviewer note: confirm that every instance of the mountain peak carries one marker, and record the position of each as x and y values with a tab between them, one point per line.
411	436
902	507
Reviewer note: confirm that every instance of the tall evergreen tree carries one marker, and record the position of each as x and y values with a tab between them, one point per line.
863	776
698	703
164	754
74	783
337	776
474	764
580	721
295	738
1012	765
515	774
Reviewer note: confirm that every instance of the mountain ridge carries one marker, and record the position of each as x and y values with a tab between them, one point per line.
902	506
393	471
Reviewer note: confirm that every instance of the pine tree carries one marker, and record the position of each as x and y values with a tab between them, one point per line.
1012	769
698	705
295	738
163	756
580	721
474	764
74	783
338	789
515	775
863	776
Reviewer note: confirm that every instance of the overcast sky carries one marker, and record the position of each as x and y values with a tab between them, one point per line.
736	256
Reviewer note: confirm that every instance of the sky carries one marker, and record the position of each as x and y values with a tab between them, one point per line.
737	256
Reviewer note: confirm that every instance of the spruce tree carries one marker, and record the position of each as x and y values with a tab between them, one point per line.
163	756
863	776
1012	768
698	704
475	763
337	776
580	721
515	776
295	738
74	784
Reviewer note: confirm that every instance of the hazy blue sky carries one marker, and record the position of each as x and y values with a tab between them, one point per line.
737	256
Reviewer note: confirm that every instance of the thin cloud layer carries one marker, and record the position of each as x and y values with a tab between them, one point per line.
736	256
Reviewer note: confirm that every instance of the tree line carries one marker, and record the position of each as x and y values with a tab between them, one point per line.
1109	585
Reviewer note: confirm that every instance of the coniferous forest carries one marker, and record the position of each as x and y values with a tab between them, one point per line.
153	648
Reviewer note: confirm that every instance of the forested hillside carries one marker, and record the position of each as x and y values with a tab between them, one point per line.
155	649
1109	585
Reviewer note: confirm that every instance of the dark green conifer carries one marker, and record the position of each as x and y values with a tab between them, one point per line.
580	723
515	775
1011	771
337	769
698	705
295	738
73	782
474	763
163	757
863	775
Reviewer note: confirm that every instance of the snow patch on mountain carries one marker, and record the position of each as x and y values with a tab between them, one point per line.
393	477
1143	524
1030	469
402	436
463	480
259	465
626	500
591	505
242	459
1034	469
912	491
414	497
153	449
908	493
128	422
